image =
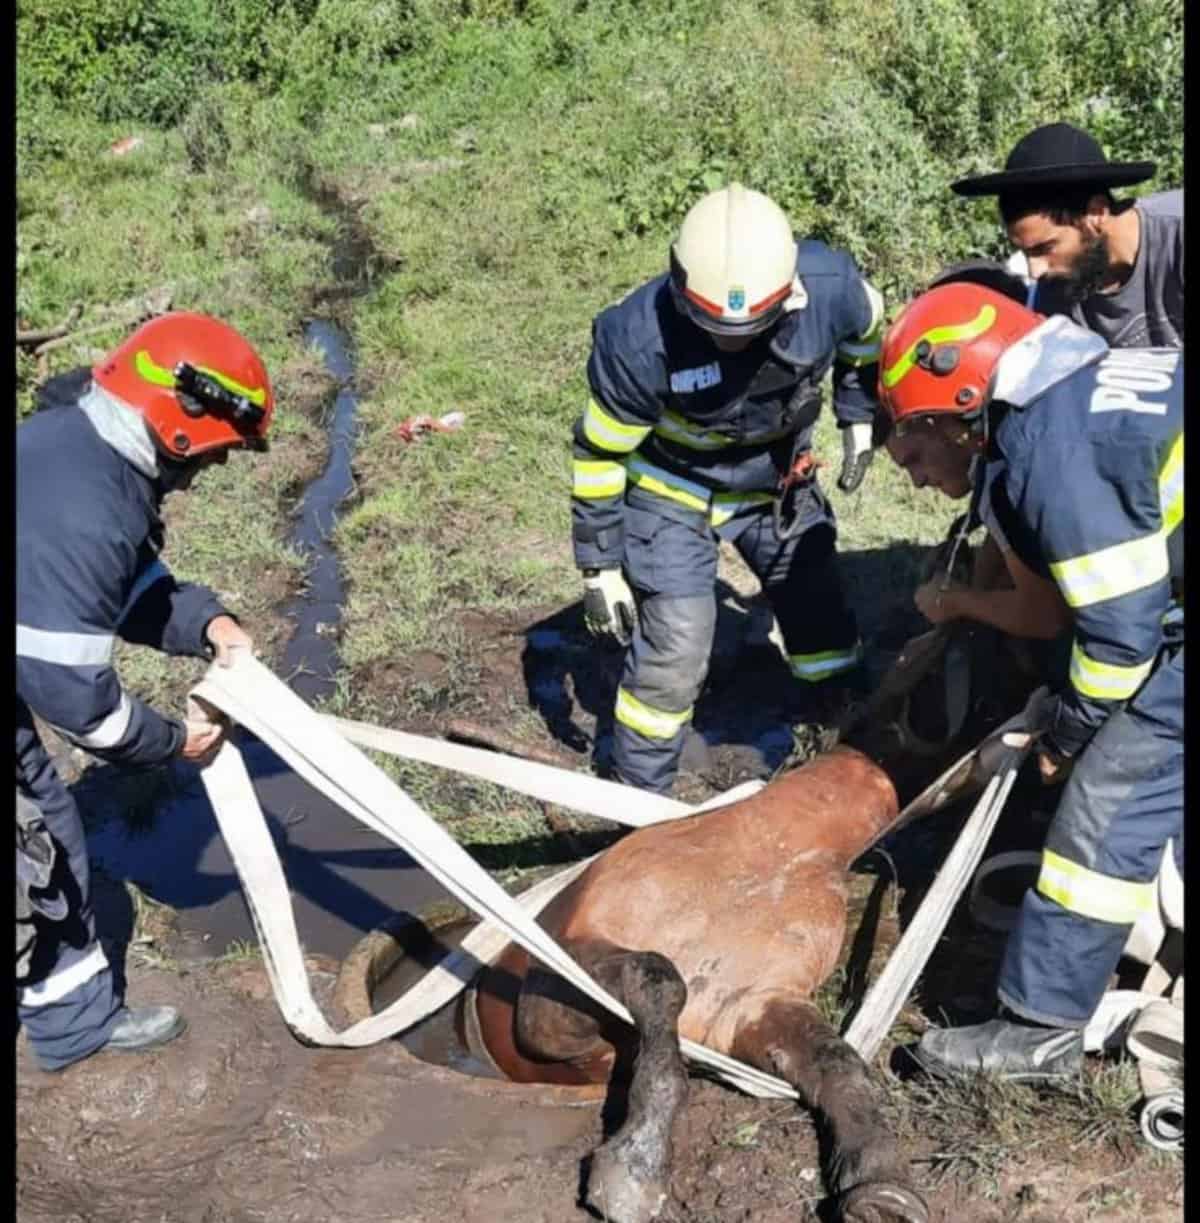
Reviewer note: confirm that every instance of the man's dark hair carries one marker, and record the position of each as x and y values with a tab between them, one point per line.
1064	206
62	390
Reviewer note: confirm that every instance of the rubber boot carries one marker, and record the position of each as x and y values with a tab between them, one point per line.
1006	1047
144	1027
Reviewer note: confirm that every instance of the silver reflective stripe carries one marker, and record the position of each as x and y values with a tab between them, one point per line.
123	427
78	968
110	731
70	649
859	354
875	300
814	667
152	573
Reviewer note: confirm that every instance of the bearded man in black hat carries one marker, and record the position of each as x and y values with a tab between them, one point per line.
1114	266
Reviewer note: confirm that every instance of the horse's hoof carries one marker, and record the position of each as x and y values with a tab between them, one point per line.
883	1202
616	1196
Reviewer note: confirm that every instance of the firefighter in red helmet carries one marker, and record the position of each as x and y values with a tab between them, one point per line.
179	394
1072	453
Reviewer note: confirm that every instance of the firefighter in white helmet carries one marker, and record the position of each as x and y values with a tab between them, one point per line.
705	387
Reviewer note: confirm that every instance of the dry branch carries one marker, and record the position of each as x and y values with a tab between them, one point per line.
31	339
124	314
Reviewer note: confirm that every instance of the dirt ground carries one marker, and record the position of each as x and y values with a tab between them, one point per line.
237	1122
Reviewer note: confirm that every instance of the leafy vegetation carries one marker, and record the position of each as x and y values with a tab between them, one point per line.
506	169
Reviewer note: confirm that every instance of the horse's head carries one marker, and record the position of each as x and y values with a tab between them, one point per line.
946	690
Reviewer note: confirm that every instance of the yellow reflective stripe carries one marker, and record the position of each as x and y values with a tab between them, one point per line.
939	335
256	396
646	720
1105	681
1112	572
653	479
1170	488
728	505
151	372
815	667
675	428
1090	894
159	375
605	432
596	478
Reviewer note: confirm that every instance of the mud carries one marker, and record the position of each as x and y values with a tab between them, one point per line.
236	1122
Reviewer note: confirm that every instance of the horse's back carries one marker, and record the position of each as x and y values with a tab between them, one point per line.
746	900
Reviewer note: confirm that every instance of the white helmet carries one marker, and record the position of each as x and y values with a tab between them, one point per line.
733	263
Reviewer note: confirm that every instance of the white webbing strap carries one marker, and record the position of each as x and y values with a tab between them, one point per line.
252	696
885	998
579	791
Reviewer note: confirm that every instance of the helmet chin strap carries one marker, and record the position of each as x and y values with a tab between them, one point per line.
175	473
967	521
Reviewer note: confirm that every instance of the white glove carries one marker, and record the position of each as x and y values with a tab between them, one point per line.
856	455
608	606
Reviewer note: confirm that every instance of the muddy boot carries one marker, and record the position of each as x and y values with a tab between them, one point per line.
1008	1047
144	1027
831	703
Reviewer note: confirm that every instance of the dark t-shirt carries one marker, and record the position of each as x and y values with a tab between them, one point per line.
1147	311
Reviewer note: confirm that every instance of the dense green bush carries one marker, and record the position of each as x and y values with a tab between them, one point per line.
855	114
145	60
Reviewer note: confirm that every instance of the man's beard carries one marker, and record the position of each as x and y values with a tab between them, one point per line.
1092	270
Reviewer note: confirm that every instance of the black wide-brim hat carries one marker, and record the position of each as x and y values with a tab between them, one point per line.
1057	155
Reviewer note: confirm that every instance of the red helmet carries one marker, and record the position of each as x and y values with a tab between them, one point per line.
197	382
940	354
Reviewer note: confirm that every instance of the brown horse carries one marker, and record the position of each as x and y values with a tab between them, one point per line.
720	926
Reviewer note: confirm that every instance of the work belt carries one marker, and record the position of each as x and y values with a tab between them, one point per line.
718	508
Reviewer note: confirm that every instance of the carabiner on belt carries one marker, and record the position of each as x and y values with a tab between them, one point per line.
803	471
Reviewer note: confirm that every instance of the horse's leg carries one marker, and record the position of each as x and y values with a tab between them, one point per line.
791	1039
631	1172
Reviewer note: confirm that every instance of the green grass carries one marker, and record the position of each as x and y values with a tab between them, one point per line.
507	171
979	1128
239	951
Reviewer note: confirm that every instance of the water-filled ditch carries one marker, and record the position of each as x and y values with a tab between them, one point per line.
345	879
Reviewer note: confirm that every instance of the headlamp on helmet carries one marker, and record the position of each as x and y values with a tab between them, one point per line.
198	383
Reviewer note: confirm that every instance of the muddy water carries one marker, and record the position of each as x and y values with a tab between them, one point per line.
345	879
310	659
437	1040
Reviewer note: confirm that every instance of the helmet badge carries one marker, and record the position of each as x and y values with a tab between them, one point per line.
737	297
